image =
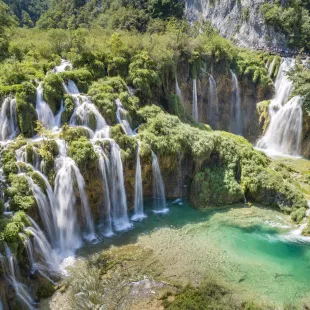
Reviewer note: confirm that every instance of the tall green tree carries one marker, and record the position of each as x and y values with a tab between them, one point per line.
6	23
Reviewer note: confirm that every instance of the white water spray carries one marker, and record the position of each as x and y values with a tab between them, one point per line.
195	101
235	110
8	120
159	197
138	203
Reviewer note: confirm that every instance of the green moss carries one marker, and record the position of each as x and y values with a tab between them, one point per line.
53	91
26	113
81	77
208	295
127	143
45	288
83	153
69	106
263	112
20	193
106	91
298	215
70	134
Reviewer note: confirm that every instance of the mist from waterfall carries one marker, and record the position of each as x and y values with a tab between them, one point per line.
235	124
8	120
195	101
283	134
159	197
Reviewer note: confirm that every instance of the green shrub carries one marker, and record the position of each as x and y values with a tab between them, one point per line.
53	91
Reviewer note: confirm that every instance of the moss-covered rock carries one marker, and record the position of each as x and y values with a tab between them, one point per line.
69	106
53	91
20	193
263	112
81	77
104	93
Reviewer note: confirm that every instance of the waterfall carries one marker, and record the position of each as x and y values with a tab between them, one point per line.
90	230
66	217
72	88
285	129
195	101
63	66
43	247
8	120
10	268
213	103
178	90
235	110
86	114
121	115
45	114
138	203
104	165
271	66
118	195
46	210
283	134
159	197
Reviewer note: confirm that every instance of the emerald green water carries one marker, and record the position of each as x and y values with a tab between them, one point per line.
239	246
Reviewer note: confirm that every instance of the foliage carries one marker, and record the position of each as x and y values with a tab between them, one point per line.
69	106
263	112
53	91
20	193
81	77
70	134
292	18
83	153
252	65
105	91
143	75
301	79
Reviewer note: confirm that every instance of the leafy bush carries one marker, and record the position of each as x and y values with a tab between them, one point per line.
53	91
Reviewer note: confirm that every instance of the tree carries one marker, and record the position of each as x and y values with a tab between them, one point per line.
6	23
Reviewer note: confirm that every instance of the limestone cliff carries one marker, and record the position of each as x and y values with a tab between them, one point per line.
238	20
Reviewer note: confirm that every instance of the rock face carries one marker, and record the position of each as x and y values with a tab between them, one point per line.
238	20
250	94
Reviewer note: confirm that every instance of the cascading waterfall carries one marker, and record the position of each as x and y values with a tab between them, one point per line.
8	120
104	165
271	66
178	90
63	66
43	247
69	231
45	114
118	194
283	134
159	197
138	203
235	110
212	115
195	101
121	115
10	267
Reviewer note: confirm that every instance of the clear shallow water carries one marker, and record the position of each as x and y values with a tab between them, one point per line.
255	255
